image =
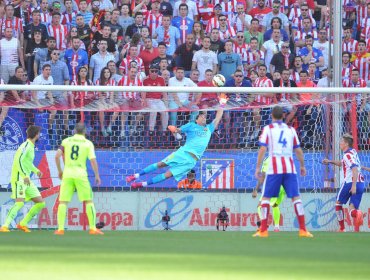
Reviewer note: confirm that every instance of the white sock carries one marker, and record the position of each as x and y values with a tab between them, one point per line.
145	184
136	175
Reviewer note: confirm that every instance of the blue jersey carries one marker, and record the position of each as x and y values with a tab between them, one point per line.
197	137
74	61
184	25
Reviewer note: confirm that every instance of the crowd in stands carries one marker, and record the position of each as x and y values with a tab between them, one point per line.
253	43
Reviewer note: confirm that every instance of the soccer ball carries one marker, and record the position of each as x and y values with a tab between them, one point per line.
218	80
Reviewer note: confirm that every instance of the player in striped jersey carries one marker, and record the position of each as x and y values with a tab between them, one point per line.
23	189
275	201
353	186
280	140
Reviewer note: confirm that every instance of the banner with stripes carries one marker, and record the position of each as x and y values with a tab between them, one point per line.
217	173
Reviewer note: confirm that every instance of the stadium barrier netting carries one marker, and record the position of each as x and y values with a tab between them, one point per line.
129	134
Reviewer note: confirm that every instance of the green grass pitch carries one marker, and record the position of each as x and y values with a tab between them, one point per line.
183	255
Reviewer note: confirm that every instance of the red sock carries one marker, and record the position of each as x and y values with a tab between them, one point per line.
340	216
353	213
298	208
265	209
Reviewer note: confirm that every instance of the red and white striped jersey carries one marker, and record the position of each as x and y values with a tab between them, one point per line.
263	82
205	13
281	140
227	34
349	161
78	95
297	23
140	48
251	58
301	35
295	76
240	49
350	46
361	83
362	64
365	33
15	23
268	3
347	71
45	18
125	64
67	18
153	21
198	42
361	13
126	81
365	22
212	23
105	94
59	32
295	12
228	9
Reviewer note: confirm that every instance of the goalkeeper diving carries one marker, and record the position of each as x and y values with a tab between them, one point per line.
198	135
274	202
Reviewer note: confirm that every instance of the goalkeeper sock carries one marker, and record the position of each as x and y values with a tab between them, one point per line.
276	216
91	215
149	169
157	179
265	209
13	213
61	216
340	216
32	213
299	211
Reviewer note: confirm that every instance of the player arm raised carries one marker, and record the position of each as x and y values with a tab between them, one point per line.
334	162
218	117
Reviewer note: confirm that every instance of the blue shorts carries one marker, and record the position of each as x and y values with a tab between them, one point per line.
180	163
271	186
344	195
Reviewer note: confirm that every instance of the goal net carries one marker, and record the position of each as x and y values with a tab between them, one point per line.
131	133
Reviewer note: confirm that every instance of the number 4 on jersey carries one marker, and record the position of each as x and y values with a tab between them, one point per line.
282	140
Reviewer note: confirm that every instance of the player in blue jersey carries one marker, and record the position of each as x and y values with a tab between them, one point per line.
183	160
353	186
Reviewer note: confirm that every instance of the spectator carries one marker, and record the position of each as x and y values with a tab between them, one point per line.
192	13
205	59
75	57
162	49
58	31
241	20
217	46
207	99
73	32
156	100
148	54
239	45
198	33
69	14
125	19
33	46
166	76
253	32
194	76
222	218
105	34
275	13
347	67
39	97
298	62
135	27
166	8
13	95
168	34
185	52
360	60
115	27
311	54
44	12
84	12
205	12
180	100
301	34
113	69
272	47
228	61
260	12
83	31
213	22
36	24
297	19
23	11
11	52
312	73
190	182
99	60
348	44
44	55
227	32
276	24
106	99
10	21
183	23
323	45
252	58
281	60
132	56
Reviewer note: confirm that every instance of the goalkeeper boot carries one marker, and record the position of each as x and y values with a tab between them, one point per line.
130	178
305	233
23	228
262	234
4	229
59	232
96	232
359	220
136	185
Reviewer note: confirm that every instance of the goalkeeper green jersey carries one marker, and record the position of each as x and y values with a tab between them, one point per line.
77	149
23	161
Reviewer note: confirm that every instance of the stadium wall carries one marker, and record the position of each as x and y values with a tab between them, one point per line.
188	211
